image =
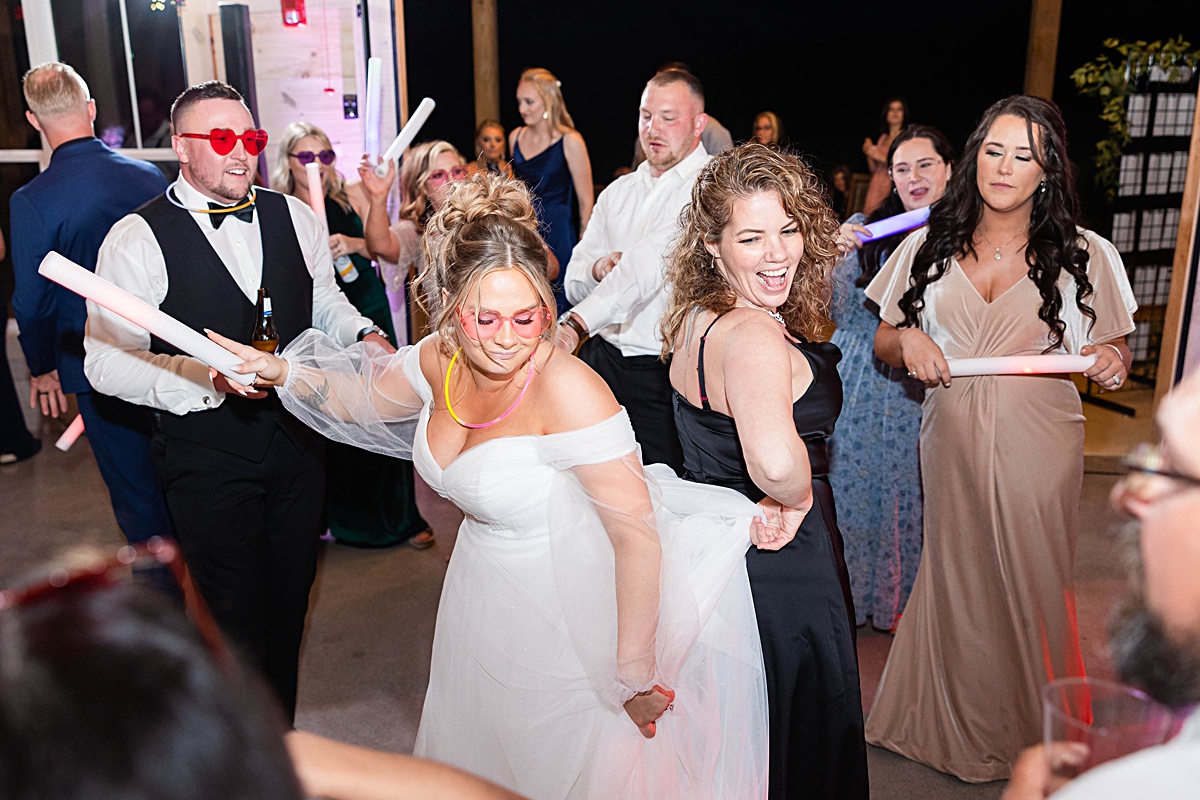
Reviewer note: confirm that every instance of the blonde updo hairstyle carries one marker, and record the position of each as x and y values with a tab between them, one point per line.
487	223
696	281
550	90
419	163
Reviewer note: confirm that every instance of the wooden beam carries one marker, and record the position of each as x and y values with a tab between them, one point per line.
1185	253
1044	19
485	41
401	63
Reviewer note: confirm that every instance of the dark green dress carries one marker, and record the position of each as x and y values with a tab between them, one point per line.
369	498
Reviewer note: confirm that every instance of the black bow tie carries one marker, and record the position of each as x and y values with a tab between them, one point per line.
244	214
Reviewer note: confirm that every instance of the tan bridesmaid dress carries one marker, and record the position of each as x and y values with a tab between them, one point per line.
992	614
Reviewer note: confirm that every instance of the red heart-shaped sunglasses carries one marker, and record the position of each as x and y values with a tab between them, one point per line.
223	140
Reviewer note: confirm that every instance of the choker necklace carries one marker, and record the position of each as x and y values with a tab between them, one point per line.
997	256
173	201
450	408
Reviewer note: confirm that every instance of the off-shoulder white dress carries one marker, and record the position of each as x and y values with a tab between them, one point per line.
524	686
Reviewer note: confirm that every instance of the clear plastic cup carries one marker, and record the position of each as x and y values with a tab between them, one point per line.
1109	719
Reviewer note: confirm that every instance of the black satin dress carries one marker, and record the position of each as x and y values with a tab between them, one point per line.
801	597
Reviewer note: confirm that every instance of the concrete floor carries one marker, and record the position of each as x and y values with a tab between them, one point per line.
366	655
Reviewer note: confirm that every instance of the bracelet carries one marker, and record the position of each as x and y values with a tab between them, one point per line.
1120	357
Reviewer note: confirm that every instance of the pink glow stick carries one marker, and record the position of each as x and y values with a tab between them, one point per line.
316	193
89	286
1019	365
70	434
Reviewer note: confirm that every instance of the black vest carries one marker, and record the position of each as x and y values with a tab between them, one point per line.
202	294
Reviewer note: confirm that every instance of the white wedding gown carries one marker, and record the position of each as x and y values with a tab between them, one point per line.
524	687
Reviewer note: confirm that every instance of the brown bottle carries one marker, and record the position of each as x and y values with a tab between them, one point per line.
264	337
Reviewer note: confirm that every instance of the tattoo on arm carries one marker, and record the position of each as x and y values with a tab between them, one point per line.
317	397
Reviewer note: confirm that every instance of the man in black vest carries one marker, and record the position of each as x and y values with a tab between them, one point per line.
245	481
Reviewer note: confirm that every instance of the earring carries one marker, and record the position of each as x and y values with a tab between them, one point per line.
545	115
1042	187
712	263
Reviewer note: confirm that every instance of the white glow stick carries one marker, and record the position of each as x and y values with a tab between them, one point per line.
70	434
316	193
901	222
1019	365
407	134
89	286
374	107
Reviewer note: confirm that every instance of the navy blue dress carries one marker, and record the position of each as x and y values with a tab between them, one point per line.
801	596
549	179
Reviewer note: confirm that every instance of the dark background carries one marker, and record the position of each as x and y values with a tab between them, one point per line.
825	68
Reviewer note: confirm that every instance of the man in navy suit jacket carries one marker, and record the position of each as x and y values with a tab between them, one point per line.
69	208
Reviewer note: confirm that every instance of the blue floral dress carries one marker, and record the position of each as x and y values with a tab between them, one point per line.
874	467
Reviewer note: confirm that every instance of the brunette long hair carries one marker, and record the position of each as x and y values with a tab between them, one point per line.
1054	241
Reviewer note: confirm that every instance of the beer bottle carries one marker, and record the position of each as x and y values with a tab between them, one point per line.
264	337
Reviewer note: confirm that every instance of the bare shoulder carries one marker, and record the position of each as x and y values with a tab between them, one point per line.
433	361
571	394
573	140
745	330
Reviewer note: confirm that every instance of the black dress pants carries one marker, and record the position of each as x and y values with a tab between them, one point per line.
249	531
642	384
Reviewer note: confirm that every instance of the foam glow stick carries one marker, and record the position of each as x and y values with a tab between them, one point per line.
901	222
374	107
1019	365
89	286
70	434
407	134
316	193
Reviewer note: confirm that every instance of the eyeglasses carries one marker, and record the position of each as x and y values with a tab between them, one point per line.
223	140
924	165
1145	463
441	176
306	157
482	326
149	562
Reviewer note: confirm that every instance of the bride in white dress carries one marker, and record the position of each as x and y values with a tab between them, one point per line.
596	636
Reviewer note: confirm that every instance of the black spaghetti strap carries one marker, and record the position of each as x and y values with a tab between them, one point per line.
700	366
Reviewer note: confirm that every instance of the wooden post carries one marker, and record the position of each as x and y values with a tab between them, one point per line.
401	63
1174	336
485	42
1044	19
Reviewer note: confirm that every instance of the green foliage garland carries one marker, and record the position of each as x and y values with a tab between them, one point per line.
1113	80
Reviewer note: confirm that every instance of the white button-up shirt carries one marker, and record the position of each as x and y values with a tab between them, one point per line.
118	361
637	215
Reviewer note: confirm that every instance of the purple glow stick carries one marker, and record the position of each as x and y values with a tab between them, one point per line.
897	224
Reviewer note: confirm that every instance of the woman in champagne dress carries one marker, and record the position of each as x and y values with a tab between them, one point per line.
1001	271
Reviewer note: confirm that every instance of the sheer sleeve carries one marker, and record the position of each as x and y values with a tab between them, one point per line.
1112	297
360	395
894	278
642	570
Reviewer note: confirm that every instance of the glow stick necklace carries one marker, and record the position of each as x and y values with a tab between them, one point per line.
450	408
171	199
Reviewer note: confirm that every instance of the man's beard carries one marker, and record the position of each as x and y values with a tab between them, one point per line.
1144	652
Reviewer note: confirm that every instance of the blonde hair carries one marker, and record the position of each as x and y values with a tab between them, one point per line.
550	90
54	90
332	183
776	125
487	224
741	172
419	163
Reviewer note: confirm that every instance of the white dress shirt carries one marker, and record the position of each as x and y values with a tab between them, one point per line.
118	361
637	215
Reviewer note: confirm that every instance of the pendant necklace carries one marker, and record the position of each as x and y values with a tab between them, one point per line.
997	256
778	317
450	408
